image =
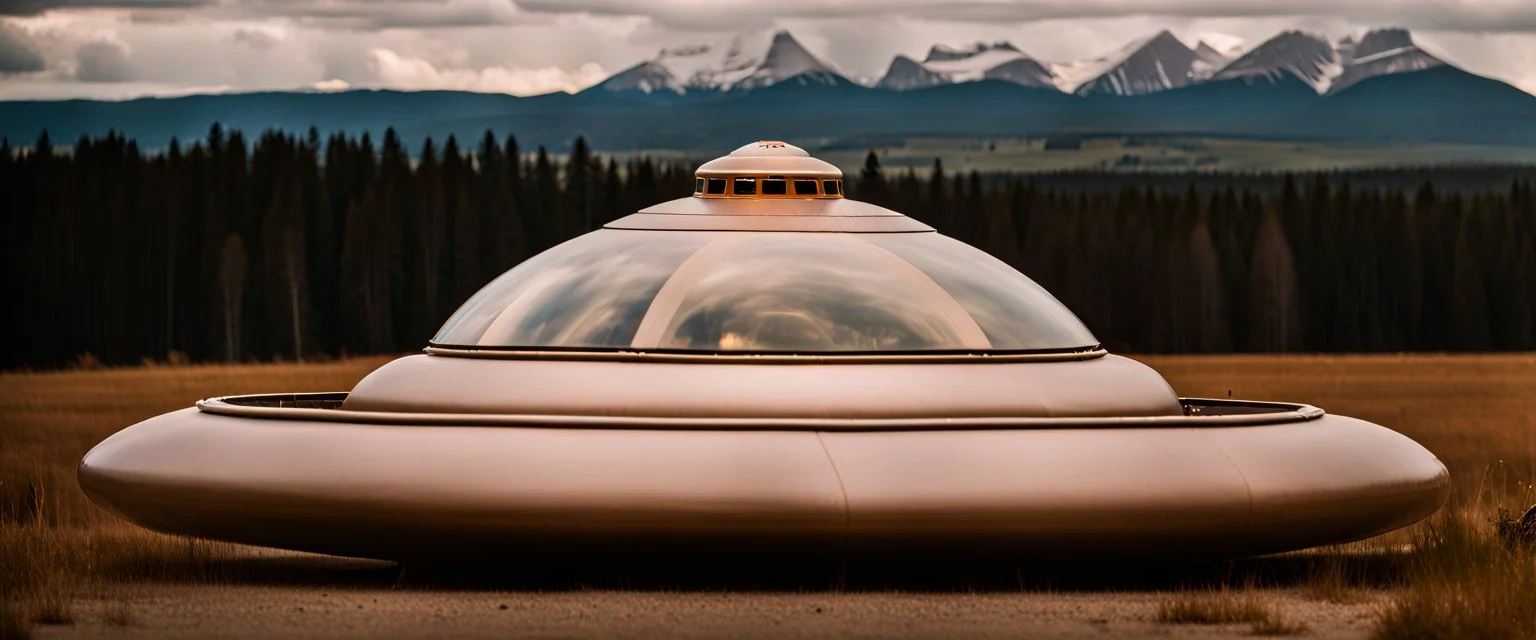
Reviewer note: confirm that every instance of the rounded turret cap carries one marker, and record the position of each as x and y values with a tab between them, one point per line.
769	158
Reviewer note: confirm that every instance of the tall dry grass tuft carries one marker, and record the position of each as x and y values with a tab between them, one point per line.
1336	580
118	613
53	606
13	622
1466	582
1226	607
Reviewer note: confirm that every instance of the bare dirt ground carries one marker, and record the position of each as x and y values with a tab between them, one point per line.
68	570
256	612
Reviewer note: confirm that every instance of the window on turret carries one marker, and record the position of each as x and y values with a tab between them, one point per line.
745	187
830	187
805	187
775	186
716	186
698	185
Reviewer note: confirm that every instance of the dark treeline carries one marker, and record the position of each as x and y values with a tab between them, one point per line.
1313	265
298	246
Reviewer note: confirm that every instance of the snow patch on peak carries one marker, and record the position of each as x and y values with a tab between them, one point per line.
1209	59
786	59
974	66
1381	40
1147	65
719	64
944	52
906	74
744	60
980	61
1380	53
646	77
1304	56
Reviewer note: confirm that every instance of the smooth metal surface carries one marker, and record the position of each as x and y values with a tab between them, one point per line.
769	157
772	208
307	407
1110	386
394	491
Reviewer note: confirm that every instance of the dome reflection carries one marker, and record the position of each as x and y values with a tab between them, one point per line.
769	292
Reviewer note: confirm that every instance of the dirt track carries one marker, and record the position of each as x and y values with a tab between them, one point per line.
269	612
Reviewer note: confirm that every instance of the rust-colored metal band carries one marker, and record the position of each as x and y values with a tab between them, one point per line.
230	406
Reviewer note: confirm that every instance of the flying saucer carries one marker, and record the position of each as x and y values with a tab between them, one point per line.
765	361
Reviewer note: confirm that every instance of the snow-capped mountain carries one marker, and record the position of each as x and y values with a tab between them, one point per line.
743	61
1208	60
981	61
1303	56
1149	65
906	74
1379	53
1330	68
787	59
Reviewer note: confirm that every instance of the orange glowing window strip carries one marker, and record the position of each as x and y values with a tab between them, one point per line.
701	190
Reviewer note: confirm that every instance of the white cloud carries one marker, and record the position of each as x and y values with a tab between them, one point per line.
334	84
394	70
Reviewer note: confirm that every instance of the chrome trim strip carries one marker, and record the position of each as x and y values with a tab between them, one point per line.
767	358
1284	413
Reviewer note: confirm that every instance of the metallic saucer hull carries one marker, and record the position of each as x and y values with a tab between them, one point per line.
399	491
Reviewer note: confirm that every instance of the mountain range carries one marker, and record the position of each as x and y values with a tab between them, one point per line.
1378	88
1147	65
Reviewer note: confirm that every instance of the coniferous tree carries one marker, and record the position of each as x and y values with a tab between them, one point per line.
1272	286
580	194
232	266
1209	319
871	184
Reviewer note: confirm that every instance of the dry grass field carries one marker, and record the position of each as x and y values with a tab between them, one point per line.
68	569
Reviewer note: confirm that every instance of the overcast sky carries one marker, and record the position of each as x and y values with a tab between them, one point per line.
127	48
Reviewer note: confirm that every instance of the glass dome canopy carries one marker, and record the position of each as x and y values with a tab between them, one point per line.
815	276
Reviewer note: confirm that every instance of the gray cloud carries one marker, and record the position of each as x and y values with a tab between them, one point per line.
364	15
102	62
34	7
1441	15
382	14
255	39
358	15
17	52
